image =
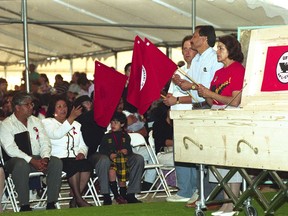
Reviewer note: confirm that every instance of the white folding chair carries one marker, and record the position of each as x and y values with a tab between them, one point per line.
137	141
90	193
11	194
168	168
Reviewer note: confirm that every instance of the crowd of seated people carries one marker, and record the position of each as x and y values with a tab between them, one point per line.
65	125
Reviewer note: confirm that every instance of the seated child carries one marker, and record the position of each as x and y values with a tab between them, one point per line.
116	145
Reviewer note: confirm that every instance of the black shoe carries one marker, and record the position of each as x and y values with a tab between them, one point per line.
25	208
50	205
132	199
146	186
107	199
72	203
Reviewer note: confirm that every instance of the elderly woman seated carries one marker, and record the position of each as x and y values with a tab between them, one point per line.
68	144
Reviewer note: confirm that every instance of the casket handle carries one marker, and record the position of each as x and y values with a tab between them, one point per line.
248	144
191	140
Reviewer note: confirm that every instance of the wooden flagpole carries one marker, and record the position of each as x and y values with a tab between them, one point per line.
186	75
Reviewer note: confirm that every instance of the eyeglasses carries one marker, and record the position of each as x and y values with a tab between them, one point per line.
27	104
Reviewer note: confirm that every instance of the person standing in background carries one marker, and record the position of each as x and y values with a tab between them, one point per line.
180	100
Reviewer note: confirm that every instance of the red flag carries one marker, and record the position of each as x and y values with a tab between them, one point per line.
108	88
276	69
151	69
163	66
133	92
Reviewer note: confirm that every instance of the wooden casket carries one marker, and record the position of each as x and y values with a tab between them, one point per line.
254	136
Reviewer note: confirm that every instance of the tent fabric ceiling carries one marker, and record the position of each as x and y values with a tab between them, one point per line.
71	28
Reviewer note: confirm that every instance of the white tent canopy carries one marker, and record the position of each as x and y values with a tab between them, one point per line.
65	29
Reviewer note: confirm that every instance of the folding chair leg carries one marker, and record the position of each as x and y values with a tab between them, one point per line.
11	194
93	192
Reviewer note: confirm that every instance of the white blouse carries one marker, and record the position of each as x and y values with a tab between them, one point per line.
66	139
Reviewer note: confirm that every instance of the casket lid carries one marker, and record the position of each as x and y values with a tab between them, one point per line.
266	76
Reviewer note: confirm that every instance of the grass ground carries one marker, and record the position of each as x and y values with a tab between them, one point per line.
149	208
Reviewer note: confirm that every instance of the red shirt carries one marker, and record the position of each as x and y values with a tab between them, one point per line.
228	79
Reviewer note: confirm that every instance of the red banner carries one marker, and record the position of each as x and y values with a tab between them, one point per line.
133	93
108	88
151	69
276	69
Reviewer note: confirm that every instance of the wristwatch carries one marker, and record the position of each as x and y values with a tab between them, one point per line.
193	87
177	100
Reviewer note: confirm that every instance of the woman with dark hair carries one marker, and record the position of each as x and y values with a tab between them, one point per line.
227	82
224	92
68	144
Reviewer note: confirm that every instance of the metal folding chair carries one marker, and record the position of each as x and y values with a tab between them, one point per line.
137	140
169	169
11	194
90	193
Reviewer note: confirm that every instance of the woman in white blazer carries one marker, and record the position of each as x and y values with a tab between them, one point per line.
68	144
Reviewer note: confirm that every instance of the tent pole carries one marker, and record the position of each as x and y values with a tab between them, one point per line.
5	71
193	15
25	39
71	67
116	60
168	52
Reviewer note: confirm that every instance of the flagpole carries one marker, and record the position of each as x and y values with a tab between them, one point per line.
192	96
235	96
186	75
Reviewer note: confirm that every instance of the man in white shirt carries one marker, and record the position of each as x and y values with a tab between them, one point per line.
202	70
20	164
181	100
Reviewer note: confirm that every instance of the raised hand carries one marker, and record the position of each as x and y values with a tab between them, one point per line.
75	112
